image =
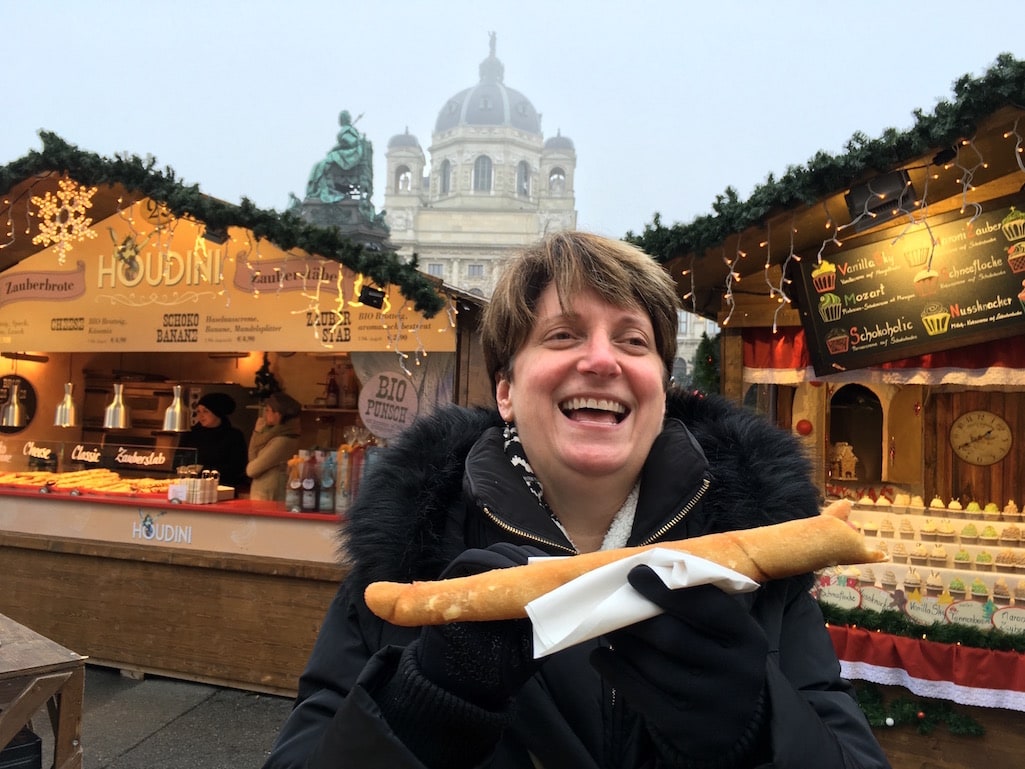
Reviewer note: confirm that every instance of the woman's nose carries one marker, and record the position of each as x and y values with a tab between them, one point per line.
600	356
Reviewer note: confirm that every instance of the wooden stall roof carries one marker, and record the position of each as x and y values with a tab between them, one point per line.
968	150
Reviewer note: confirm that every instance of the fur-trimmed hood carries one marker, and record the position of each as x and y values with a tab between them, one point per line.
398	527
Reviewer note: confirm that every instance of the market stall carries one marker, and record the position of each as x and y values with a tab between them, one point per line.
126	293
872	303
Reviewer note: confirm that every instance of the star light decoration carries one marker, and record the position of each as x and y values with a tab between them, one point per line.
62	217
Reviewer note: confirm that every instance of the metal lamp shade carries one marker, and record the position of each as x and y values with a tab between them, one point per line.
66	414
176	417
116	416
13	415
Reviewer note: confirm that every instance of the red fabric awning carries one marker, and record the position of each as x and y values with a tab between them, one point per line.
782	358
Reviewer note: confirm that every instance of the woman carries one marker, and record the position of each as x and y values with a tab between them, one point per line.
219	444
587	450
274	441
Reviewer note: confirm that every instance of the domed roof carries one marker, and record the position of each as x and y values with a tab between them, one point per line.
559	142
403	140
490	102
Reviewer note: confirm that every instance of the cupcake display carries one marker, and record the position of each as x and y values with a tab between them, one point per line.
938	555
907	530
912	580
957	588
1010	534
979	589
988	535
928	531
926	282
823	277
1011	511
886	528
1013	224
919	554
1016	257
969	534
935	318
1019	591
984	561
962	558
1005	559
945	531
1001	592
837	341
991	512
933	584
830	308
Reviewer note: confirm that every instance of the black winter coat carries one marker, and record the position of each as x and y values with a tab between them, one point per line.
424	502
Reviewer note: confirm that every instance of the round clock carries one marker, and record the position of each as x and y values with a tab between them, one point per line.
980	437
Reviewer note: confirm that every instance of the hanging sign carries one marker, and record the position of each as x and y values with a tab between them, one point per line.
148	284
947	282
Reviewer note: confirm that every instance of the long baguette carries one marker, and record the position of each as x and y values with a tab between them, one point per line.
764	553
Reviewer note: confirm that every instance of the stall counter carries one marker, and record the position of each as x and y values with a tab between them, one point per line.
230	593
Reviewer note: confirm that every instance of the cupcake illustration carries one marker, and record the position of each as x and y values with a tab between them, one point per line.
1013	224
935	318
829	307
916	257
837	341
1016	257
1021	295
823	277
927	282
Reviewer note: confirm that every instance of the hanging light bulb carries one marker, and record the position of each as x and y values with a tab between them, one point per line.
176	418
116	416
13	415
66	414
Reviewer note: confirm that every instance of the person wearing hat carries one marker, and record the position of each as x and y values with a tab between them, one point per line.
219	445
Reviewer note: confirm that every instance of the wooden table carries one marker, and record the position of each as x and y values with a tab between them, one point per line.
35	671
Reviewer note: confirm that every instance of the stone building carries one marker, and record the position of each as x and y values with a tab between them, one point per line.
490	183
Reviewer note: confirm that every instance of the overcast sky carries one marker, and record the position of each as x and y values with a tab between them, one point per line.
668	102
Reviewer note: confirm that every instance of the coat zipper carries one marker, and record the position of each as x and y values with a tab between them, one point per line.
705	483
525	534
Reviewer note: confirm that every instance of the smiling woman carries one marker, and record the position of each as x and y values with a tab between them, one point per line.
588	450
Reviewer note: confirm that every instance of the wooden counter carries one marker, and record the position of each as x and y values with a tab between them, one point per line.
212	601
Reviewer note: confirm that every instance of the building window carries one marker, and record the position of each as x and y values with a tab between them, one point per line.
482	174
446	177
711	328
475	271
557	181
523	179
436	270
682	323
403	179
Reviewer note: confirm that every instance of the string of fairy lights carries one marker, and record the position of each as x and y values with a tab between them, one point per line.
60	219
964	158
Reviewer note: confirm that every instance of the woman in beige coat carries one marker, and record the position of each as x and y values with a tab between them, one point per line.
274	441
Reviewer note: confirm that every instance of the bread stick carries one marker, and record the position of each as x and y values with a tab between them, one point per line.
764	553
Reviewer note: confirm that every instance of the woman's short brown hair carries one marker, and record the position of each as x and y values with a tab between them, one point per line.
285	405
618	272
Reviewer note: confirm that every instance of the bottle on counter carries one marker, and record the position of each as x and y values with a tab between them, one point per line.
349	387
328	471
332	395
342	466
293	485
309	475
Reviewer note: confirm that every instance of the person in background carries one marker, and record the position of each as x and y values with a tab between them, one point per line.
219	445
590	448
274	441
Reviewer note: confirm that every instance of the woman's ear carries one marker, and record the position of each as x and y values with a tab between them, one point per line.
503	396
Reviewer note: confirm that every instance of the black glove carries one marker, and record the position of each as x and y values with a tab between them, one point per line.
696	673
485	663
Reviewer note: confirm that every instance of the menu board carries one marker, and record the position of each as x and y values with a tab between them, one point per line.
938	284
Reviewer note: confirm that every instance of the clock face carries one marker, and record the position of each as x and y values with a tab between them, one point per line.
980	437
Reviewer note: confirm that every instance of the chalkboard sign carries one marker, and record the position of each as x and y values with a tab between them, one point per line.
948	282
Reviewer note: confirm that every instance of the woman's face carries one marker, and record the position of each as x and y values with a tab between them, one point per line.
206	417
271	417
587	390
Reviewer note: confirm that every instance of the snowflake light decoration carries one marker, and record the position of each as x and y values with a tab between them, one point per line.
62	218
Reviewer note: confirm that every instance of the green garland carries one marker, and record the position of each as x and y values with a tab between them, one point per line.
286	231
974	99
896	623
924	715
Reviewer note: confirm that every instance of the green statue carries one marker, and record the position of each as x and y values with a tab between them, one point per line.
346	173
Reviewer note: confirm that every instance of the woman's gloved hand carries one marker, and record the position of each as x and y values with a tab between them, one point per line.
695	673
485	663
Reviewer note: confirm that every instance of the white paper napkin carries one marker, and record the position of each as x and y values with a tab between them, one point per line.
602	600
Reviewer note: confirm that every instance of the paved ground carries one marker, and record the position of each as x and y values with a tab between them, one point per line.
159	723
